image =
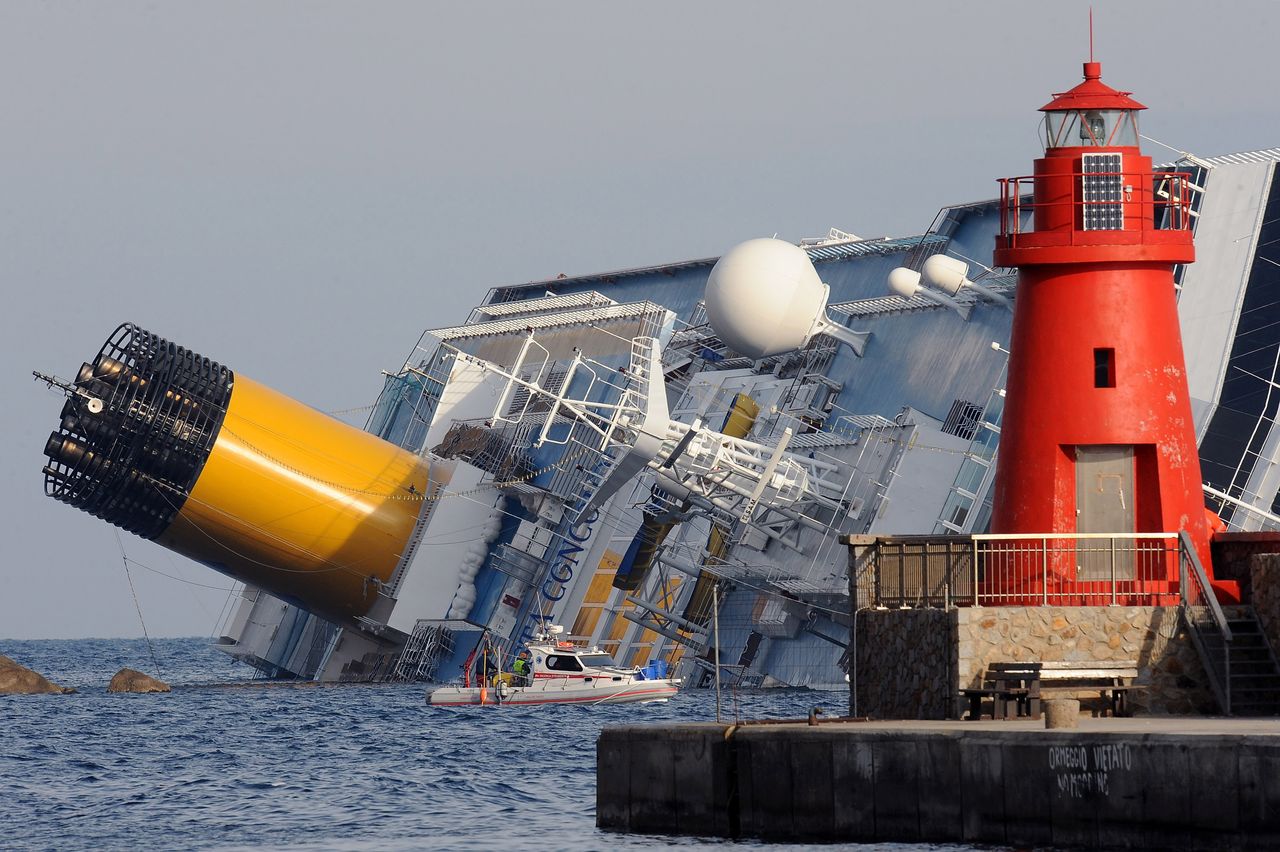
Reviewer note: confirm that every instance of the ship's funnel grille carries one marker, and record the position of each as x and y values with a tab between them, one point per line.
137	430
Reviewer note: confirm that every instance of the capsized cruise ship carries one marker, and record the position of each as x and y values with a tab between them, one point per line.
589	451
530	410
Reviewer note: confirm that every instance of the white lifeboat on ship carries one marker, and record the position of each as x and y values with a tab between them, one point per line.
562	673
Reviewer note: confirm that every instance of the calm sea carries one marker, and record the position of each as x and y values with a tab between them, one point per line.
216	765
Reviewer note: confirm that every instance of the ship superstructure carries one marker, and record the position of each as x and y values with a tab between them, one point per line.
606	459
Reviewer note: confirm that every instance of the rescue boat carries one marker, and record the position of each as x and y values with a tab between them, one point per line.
563	673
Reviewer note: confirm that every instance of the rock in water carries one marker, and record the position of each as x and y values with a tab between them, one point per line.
131	680
20	680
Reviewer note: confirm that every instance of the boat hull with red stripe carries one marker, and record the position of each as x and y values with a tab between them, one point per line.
562	673
557	691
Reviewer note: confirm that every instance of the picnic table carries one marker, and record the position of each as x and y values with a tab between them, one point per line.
1016	689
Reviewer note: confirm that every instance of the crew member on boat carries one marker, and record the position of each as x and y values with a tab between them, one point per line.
521	669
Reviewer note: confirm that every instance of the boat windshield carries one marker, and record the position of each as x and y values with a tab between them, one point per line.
597	660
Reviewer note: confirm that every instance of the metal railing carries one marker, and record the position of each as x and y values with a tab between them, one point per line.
911	571
1167	195
1084	569
1206	622
1018	569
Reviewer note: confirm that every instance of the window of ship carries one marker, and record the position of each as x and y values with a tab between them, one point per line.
563	663
597	660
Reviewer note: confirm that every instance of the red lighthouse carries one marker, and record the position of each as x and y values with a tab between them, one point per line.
1097	434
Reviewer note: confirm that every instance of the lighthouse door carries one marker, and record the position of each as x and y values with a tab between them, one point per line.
1104	504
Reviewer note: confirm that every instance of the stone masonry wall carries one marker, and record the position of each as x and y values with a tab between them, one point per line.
1152	636
1264	575
904	664
912	663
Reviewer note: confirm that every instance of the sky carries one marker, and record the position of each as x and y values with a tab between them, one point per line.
298	190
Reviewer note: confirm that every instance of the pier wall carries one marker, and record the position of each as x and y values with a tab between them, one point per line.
855	783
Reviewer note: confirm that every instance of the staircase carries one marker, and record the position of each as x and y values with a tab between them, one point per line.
1255	674
1237	657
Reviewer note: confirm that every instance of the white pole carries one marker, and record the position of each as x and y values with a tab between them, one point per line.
853	663
715	637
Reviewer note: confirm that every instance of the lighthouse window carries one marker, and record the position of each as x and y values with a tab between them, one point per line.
1104	368
1093	128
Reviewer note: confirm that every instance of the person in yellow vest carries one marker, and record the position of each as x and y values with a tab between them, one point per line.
521	669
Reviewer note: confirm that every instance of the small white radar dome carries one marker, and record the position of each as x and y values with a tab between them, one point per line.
946	273
905	282
764	297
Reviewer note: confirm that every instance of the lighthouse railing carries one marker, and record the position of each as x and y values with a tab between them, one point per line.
1206	622
1141	201
1016	569
1075	569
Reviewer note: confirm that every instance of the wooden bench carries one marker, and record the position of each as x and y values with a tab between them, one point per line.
1013	688
1112	680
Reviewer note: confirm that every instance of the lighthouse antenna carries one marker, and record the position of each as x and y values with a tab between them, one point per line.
1090	33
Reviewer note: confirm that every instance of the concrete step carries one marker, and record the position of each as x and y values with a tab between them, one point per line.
1239	673
1267	676
1258	689
1256	655
1252	659
1254	681
1248	640
1260	665
1255	662
1246	692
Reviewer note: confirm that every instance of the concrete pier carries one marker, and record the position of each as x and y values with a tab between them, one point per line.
1144	783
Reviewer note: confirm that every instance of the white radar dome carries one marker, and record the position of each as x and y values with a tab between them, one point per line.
764	297
946	273
905	282
951	275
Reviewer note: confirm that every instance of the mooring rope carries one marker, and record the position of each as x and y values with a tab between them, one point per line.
138	606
